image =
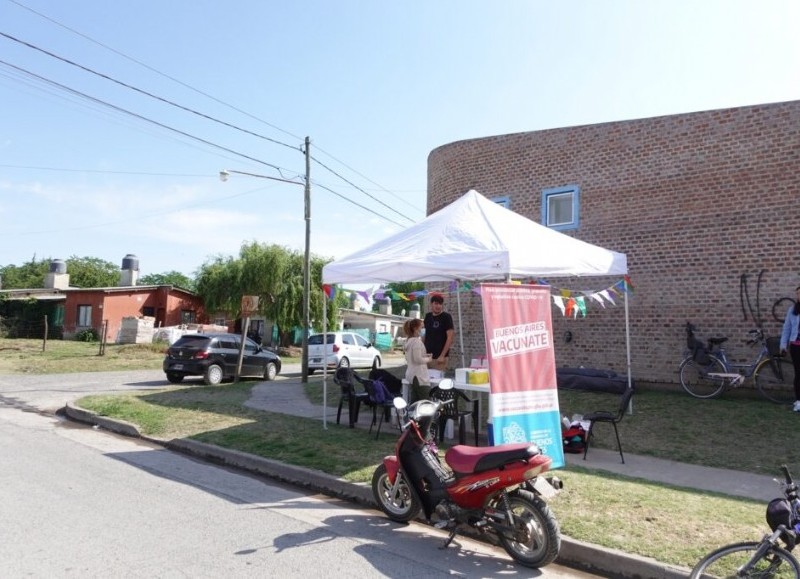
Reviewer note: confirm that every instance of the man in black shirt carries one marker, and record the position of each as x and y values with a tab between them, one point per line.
438	332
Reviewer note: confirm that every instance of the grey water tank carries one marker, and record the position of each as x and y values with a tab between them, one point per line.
58	266
130	262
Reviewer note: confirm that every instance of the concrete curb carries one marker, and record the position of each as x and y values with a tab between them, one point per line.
575	554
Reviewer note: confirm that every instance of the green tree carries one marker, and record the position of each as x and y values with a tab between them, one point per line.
89	272
273	273
84	272
402	288
26	276
173	278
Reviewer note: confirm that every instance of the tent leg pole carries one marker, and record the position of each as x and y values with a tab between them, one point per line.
628	348
460	324
324	363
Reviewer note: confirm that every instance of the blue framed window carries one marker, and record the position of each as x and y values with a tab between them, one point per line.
504	201
560	207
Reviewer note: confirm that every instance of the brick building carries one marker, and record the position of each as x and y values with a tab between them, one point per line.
696	201
71	310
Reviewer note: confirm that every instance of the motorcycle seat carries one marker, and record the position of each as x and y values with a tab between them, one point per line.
473	459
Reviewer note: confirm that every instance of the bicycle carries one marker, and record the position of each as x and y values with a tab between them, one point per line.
766	558
706	371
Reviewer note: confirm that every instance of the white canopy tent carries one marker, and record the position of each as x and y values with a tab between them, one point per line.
476	239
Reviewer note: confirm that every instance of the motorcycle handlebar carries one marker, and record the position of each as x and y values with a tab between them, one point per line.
787	475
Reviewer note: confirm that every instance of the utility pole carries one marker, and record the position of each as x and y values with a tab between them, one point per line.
307	266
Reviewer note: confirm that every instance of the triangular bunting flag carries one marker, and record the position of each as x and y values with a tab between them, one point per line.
596	297
607	296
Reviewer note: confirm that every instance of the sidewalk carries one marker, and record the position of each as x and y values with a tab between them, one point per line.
290	399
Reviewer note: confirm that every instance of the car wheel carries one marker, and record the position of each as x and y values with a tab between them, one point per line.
376	363
344	363
311	371
270	371
174	377
213	375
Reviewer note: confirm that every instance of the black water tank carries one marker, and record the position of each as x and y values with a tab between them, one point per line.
58	266
130	262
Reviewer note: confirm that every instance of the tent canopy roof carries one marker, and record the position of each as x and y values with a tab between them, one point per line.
474	238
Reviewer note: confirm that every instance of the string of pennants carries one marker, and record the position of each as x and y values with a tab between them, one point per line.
571	302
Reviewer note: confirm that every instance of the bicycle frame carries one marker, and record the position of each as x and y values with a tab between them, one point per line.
745	370
707	372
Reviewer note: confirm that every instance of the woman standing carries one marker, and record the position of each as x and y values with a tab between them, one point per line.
417	360
790	340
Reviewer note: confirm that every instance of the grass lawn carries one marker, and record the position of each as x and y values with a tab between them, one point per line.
672	525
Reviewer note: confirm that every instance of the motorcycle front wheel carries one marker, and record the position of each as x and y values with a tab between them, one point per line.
400	505
535	539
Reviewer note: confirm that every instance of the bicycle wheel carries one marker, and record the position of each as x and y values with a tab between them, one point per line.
774	378
696	381
727	561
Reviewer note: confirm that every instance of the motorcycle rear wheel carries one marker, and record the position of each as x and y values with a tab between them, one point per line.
537	536
401	507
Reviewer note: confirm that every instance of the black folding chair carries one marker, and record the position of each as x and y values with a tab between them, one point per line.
379	401
346	379
453	412
611	417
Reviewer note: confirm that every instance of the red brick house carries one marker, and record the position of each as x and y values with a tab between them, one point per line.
699	202
70	310
90	308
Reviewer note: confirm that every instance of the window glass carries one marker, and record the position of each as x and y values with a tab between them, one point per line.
503	201
560	207
192	342
85	316
361	341
348	339
316	339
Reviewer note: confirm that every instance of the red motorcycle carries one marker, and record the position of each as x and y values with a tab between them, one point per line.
498	490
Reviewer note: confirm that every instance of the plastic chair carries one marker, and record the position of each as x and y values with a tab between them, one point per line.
453	412
378	401
345	378
612	417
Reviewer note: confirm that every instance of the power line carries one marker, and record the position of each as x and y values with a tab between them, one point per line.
151	69
190	110
144	92
358	204
107	171
142	117
205	94
360	189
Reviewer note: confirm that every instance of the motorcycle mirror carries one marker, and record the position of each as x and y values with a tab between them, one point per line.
446	384
399	403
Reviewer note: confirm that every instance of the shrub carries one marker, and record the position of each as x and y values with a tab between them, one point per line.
87	335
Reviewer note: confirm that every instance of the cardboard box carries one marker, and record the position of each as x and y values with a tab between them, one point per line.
461	376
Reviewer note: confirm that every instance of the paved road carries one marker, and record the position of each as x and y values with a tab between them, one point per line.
81	501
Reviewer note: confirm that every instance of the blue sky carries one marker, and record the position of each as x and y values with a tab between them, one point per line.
375	85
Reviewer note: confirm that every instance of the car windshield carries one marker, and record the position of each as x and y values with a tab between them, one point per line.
316	339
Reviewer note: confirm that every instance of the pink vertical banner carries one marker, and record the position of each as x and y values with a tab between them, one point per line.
522	367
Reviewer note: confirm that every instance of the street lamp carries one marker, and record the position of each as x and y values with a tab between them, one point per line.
223	175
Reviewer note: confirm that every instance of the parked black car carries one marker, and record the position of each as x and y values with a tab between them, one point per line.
215	357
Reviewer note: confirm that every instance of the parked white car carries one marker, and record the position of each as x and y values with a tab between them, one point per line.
342	350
